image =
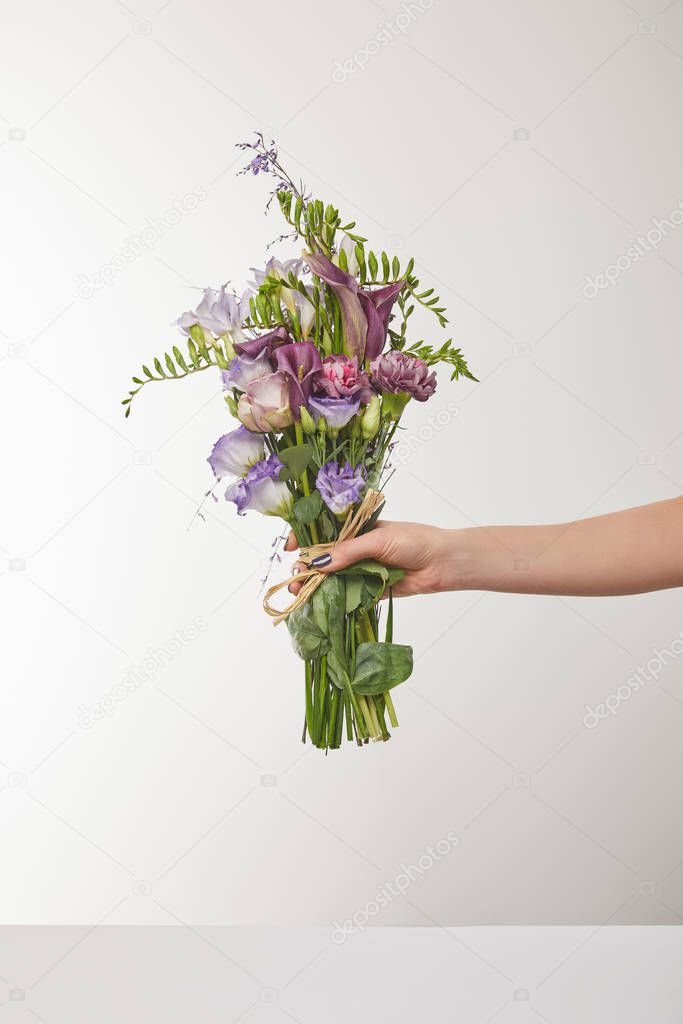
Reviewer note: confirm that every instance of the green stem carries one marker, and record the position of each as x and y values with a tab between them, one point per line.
298	430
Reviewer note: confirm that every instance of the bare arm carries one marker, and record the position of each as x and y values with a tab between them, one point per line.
629	552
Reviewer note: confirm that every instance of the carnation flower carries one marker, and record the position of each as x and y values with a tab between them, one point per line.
262	490
340	486
400	373
341	378
235	452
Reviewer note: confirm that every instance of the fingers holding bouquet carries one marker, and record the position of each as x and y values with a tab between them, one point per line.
420	550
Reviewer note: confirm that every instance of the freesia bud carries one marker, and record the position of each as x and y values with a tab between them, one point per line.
231	404
307	421
371	418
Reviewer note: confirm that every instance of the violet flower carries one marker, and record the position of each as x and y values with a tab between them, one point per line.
400	373
262	490
280	269
242	371
341	378
365	313
345	288
337	411
264	343
299	362
340	486
235	452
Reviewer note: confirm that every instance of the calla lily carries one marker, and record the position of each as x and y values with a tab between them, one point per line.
345	288
265	343
377	307
365	314
299	362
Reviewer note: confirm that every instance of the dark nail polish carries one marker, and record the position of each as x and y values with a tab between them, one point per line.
321	561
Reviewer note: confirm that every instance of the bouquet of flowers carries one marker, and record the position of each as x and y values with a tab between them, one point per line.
315	363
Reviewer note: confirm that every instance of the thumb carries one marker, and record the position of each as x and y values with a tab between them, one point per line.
369	545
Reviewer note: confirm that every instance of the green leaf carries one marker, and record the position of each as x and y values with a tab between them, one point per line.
329	610
380	667
354	592
309	641
295	459
307	509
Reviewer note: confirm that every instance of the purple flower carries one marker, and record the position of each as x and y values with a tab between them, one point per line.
262	490
337	411
265	343
299	362
341	378
235	452
279	269
219	311
365	314
242	370
264	406
377	306
340	486
400	373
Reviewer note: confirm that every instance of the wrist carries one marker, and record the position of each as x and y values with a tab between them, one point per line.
461	559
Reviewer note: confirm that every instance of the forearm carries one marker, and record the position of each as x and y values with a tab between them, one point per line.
629	552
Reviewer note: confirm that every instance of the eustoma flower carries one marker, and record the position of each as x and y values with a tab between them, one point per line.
340	486
242	371
400	373
337	411
235	452
265	404
262	490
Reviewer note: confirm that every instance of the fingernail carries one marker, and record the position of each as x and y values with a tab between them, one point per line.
320	561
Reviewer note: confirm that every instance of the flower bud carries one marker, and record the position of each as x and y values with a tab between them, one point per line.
393	405
371	418
197	334
307	421
231	403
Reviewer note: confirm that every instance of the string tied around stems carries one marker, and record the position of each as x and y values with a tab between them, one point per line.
311	578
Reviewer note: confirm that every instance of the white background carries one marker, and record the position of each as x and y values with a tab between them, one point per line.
513	148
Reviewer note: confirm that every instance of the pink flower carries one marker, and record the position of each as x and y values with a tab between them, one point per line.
341	378
400	373
265	404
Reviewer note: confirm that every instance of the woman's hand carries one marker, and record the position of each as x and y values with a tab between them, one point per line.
423	552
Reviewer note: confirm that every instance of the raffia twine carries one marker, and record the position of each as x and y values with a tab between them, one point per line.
312	577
